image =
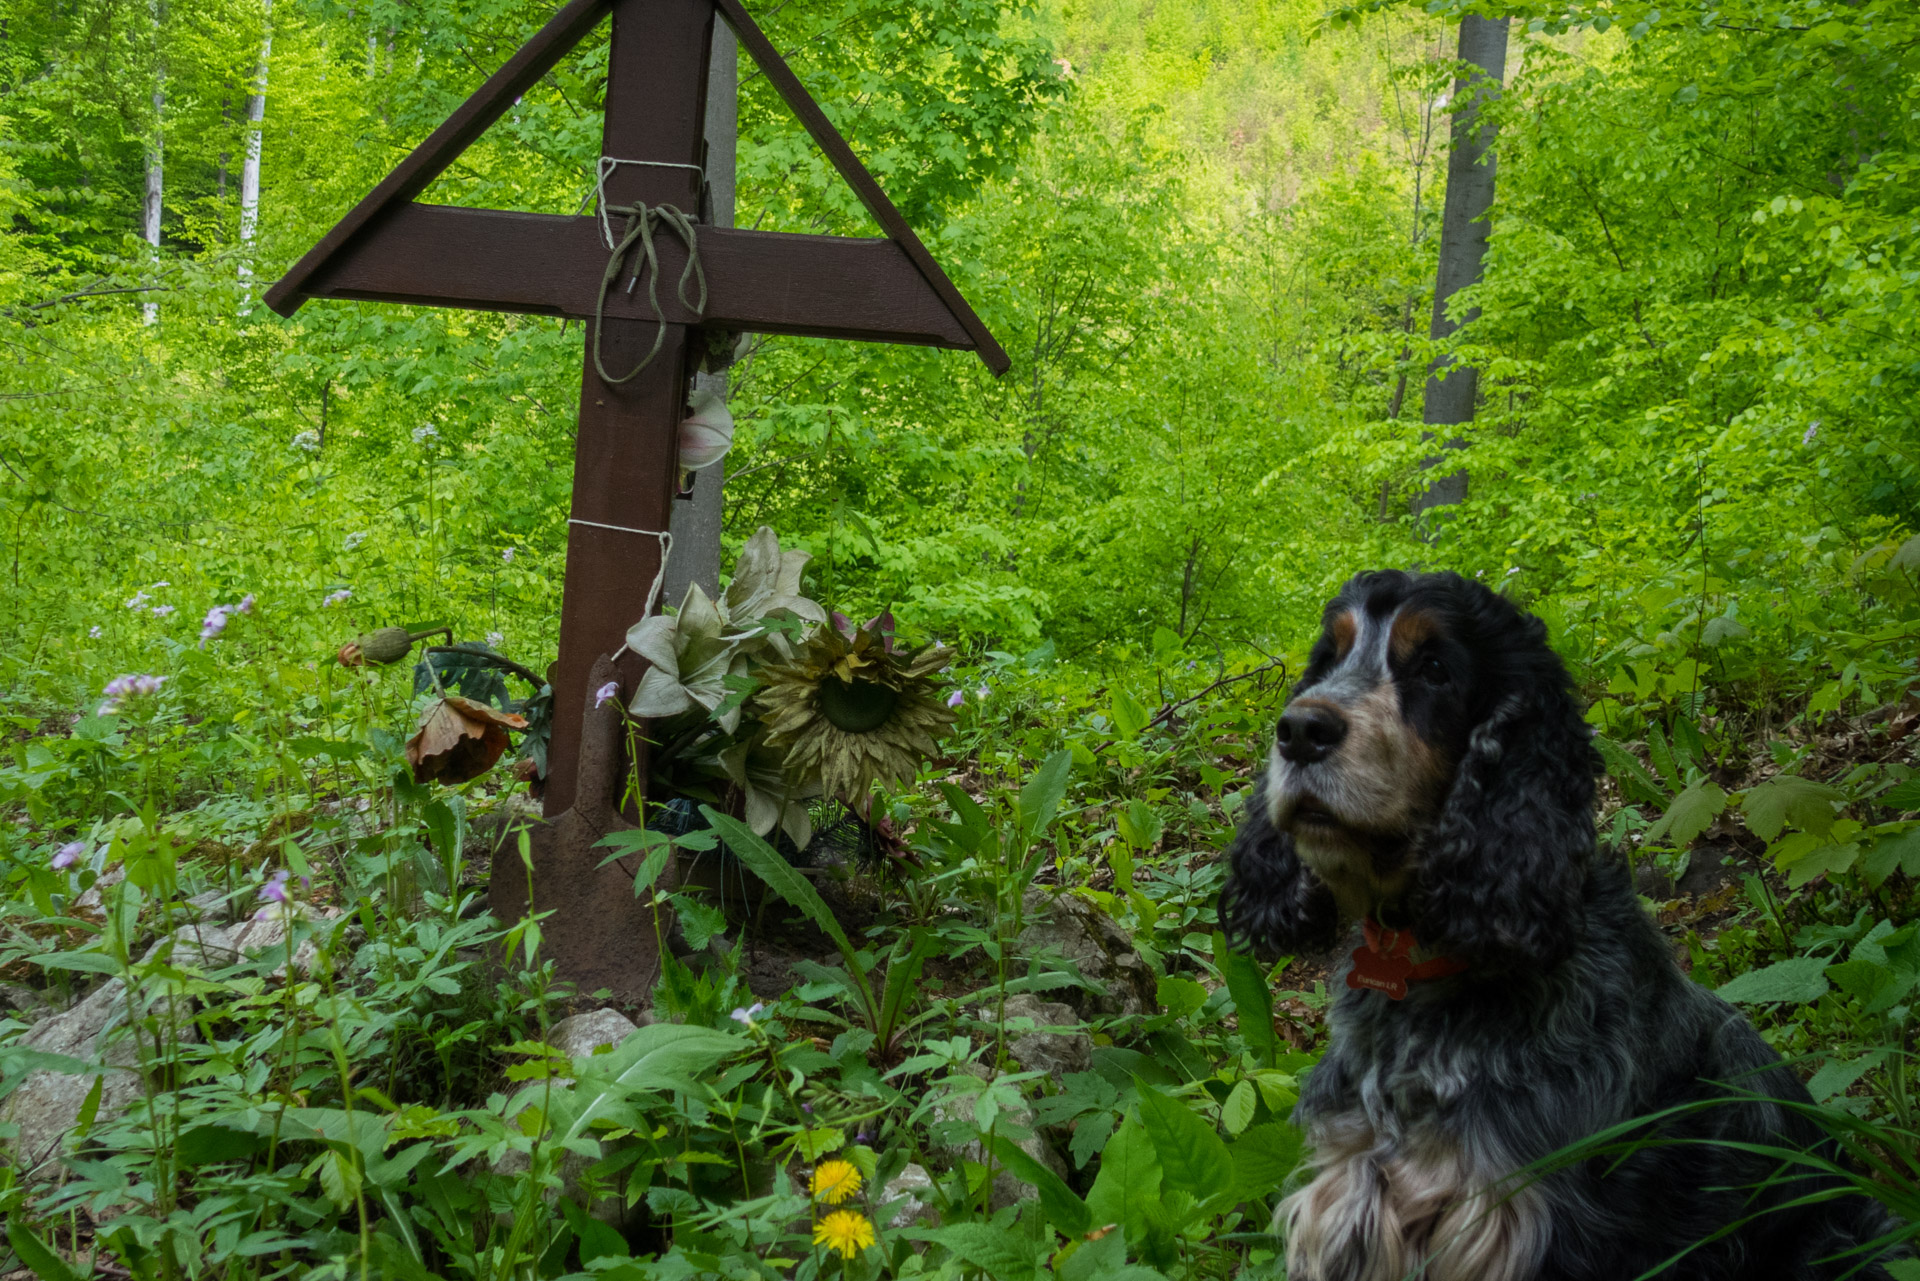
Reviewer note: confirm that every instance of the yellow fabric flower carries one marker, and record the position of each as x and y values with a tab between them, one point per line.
835	1181
843	1230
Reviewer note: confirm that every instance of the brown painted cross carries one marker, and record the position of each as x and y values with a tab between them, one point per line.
391	249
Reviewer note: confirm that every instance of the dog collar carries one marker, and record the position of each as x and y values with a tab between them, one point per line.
1385	963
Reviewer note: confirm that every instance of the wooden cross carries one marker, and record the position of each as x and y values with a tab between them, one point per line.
391	249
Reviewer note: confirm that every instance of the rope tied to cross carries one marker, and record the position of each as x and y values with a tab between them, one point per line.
641	220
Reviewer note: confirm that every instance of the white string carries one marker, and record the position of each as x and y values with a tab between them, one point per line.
659	580
604	170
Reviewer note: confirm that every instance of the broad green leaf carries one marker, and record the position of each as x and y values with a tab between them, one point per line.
1063	1207
1901	850
38	1257
1192	1157
1252	999
997	1253
1237	1112
86	962
1906	796
1040	798
1787	798
1798	981
1179	996
1129	1181
1129	717
1139	825
1264	1156
1691	813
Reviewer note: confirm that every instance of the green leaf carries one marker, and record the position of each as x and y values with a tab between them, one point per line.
1264	1157
1179	996
1901	850
1139	825
1129	1181
1237	1112
763	861
1768	807
1192	1157
1129	717
1904	797
87	962
34	1252
1040	798
1061	1204
1691	813
1799	980
1633	777
1252	1000
215	1144
996	1252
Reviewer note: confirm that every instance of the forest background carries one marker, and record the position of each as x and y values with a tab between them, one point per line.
1205	230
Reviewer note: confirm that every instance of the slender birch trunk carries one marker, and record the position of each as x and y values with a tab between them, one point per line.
1463	240
156	151
250	167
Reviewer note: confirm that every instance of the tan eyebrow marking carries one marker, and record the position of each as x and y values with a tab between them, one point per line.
1343	630
1411	630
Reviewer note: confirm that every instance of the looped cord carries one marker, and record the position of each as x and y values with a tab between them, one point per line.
639	230
659	579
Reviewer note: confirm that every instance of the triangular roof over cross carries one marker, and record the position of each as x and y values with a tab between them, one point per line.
390	249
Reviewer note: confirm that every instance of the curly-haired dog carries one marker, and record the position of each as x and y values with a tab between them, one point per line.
1432	777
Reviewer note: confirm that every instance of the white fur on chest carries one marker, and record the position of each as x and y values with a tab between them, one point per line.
1415	1206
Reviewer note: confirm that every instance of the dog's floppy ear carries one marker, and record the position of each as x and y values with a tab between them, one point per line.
1503	876
1270	900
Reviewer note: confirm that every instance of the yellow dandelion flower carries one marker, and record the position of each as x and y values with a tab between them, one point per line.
835	1181
843	1230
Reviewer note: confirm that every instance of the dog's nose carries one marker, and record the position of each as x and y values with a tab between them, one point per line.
1307	733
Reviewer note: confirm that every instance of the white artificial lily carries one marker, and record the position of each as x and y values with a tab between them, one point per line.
689	656
707	433
766	581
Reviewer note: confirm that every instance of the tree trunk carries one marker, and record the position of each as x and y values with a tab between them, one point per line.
696	522
250	167
156	151
1463	240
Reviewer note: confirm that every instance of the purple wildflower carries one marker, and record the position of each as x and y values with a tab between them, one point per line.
161	611
956	698
275	888
246	604
69	854
139	598
744	1017
494	639
214	623
980	693
337	598
121	688
94	632
606	693
1813	429
507	555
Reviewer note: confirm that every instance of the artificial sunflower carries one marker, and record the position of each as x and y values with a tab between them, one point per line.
835	1181
850	712
845	1231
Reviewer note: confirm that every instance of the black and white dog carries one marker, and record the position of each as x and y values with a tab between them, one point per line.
1432	778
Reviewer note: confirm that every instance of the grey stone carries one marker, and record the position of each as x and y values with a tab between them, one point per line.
581	1034
909	1194
1007	1188
21	1002
1055	1053
578	1036
268	929
1097	946
47	1104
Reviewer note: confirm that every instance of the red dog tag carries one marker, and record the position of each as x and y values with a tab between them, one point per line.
1384	963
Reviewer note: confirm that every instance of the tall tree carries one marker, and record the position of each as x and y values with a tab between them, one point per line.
250	167
1452	388
156	147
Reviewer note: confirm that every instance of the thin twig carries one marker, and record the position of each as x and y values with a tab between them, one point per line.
1167	710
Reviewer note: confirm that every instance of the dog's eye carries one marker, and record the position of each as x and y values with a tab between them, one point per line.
1434	672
